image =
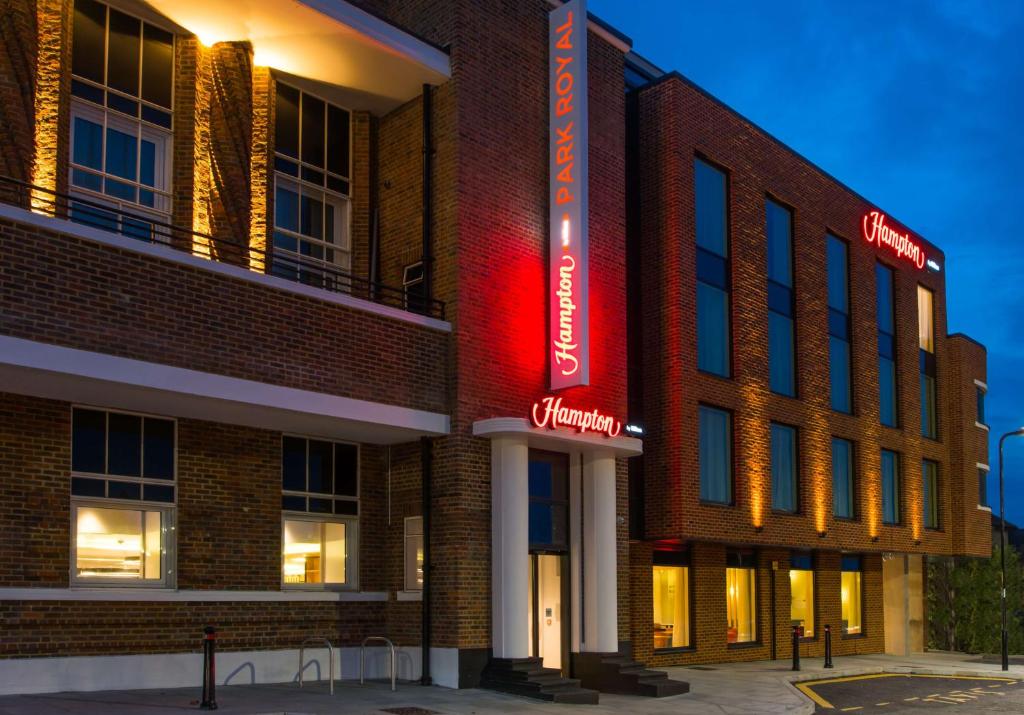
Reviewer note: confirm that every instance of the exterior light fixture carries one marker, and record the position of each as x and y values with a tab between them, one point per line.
759	528
822	534
874	539
634	429
933	265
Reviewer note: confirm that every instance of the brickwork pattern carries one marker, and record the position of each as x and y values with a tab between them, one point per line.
231	130
18	50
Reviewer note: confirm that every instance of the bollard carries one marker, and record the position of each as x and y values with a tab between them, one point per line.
796	647
209	701
828	646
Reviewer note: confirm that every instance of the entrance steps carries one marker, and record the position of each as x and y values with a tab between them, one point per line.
528	678
620	674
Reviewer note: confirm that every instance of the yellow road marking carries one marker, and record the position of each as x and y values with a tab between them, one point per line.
881	705
997	685
910	700
850	710
807	687
809	692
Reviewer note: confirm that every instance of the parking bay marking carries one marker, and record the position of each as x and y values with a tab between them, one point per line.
807	687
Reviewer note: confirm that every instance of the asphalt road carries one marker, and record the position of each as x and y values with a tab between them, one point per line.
892	694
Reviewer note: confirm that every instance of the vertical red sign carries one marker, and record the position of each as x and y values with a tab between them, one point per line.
568	301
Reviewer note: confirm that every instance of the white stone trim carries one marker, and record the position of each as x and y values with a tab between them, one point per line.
51	371
559	440
141	595
408	595
166	253
181	670
982	507
982	385
983	466
979	425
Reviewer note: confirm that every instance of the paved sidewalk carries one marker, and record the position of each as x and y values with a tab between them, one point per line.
758	688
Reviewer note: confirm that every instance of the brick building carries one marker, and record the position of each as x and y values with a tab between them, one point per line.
324	320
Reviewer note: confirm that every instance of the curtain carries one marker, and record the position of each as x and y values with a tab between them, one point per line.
715	456
709	198
890	488
837	275
780	354
839	373
887	391
712	329
783	468
842	491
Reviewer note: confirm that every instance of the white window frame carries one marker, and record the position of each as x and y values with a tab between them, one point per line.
105	116
343	227
351	523
167	509
407	555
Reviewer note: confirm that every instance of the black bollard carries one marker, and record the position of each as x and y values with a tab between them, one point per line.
209	670
796	647
828	646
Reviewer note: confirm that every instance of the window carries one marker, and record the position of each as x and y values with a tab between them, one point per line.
839	324
320	502
884	279
713	284
781	332
842	479
926	351
930	492
414	553
801	589
980	397
982	487
121	120
671	600
741	598
548	484
312	156
715	455
122	498
414	287
890	487
784	468
851	582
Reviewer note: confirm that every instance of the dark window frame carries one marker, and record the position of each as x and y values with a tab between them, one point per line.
686	561
728	268
333	497
731	462
848	321
854	489
789	290
933	493
797	491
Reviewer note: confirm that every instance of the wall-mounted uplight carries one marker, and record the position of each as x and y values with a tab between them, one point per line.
635	429
822	534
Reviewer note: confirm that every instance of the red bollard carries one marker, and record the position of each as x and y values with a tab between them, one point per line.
209	670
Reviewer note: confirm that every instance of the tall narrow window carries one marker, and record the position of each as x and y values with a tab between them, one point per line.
784	468
121	101
926	334
982	486
713	282
741	598
842	479
839	324
715	456
320	501
980	406
801	589
885	288
311	195
671	599
930	492
890	487
781	310
122	498
414	553
851	584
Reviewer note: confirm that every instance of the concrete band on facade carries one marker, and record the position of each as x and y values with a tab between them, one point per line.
449	509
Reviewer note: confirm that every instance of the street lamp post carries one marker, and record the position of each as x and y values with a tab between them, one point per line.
1002	546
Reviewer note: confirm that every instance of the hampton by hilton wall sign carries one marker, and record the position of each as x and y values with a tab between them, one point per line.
568	311
876	231
550	413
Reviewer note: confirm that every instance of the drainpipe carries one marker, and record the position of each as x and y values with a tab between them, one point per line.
426	471
428	151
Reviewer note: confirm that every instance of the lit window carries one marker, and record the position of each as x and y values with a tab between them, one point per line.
414	553
671	600
890	488
930	492
926	342
121	120
839	324
741	598
715	456
312	243
784	468
713	285
801	588
842	479
850	586
320	500
781	309
122	497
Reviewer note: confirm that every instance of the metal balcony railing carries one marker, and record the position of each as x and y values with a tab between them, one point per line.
141	227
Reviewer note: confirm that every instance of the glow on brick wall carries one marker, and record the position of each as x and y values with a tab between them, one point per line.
569	339
877	231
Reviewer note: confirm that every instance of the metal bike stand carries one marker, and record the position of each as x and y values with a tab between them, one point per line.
362	658
330	658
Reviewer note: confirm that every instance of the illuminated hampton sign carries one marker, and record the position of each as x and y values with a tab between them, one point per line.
568	313
876	231
550	413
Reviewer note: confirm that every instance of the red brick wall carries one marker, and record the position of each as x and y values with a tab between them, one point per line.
18	47
676	122
134	306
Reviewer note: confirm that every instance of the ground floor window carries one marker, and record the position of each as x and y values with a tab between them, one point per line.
851	587
113	543
671	600
414	553
801	588
741	598
317	552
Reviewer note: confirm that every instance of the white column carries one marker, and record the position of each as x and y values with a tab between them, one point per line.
600	580
510	547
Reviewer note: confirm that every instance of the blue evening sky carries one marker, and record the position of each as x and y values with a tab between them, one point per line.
917	105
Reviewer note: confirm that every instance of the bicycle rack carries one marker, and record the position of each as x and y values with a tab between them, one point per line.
362	658
330	659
